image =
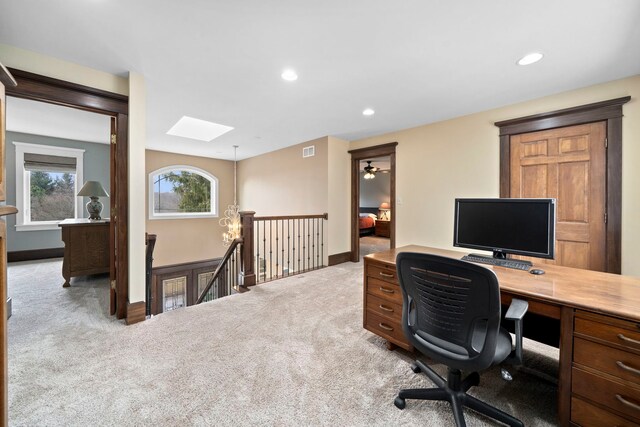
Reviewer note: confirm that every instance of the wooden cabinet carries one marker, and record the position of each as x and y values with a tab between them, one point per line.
86	248
383	303
605	377
383	228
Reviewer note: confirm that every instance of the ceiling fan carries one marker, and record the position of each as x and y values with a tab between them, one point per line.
370	171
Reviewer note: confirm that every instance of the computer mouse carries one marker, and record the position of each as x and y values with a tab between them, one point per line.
536	271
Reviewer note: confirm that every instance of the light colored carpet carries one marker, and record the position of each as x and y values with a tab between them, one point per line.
290	352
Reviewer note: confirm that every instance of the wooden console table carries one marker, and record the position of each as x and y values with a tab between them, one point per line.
86	247
599	322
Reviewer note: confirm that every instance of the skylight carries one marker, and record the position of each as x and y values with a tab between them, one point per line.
202	130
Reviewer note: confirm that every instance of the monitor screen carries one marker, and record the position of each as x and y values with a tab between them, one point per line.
506	226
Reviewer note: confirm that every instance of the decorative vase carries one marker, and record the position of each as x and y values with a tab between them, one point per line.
94	207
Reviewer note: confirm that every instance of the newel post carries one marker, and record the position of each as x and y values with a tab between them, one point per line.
247	266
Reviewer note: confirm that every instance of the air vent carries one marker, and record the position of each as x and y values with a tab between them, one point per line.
309	151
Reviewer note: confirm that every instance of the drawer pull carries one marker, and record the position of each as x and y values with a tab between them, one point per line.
627	403
390	310
386	290
628	368
385	327
627	339
389	275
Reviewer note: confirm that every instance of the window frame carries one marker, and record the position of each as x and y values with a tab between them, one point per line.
183	215
23	184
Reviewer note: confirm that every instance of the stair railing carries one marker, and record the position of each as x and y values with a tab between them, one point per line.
226	278
288	245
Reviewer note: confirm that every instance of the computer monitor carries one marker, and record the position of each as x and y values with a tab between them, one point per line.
506	226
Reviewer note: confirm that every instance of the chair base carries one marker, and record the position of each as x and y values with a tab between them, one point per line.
454	390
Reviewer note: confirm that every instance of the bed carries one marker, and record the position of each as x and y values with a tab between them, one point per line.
367	221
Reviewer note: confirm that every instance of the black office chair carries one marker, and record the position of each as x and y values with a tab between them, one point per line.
451	313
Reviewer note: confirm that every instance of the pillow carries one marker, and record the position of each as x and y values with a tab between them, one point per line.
374	216
364	215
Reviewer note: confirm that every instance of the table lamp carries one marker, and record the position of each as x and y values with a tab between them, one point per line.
385	211
93	190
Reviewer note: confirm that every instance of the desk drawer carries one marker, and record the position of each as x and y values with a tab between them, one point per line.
587	415
384	308
624	398
385	328
383	273
619	332
385	290
619	363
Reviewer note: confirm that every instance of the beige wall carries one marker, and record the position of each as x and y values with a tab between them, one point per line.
459	158
283	183
186	240
339	194
136	148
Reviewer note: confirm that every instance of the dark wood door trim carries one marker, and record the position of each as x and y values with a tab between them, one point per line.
362	154
609	111
46	89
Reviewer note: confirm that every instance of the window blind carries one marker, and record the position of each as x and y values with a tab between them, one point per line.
47	163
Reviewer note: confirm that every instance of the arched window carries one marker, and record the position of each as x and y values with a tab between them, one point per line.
182	192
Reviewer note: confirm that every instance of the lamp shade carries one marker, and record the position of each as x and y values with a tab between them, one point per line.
385	205
92	189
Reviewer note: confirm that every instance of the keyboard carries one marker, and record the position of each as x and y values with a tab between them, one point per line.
508	263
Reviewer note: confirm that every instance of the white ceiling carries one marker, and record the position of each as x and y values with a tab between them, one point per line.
412	61
40	118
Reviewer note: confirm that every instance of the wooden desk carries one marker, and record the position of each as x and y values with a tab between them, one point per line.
86	248
599	315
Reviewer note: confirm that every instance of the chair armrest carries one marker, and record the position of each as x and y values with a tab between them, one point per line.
516	312
517	309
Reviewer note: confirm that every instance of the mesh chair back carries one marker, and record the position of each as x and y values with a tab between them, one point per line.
451	309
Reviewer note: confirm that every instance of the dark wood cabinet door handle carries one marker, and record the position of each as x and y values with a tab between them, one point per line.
627	403
627	339
628	368
389	275
390	310
386	291
385	327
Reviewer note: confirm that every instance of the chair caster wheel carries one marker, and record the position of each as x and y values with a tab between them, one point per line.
415	368
399	402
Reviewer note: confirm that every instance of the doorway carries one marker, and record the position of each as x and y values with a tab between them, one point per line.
386	155
374	208
36	87
53	154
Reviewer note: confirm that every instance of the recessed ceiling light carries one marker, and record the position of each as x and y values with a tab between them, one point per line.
368	112
202	130
530	58
289	75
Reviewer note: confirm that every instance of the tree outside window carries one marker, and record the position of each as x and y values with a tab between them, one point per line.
52	196
182	192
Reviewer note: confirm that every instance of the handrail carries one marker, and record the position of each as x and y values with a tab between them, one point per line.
274	218
220	268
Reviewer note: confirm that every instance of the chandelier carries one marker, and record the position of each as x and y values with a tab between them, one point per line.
231	218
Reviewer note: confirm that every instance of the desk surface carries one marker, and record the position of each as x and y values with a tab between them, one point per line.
610	294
